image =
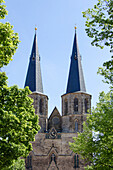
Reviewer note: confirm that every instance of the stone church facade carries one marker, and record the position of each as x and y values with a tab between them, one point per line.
51	146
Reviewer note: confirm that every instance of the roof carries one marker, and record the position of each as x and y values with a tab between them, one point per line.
34	78
75	79
54	112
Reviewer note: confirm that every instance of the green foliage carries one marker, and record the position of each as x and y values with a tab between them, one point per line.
3	11
107	72
18	122
79	147
97	148
100	24
8	39
19	164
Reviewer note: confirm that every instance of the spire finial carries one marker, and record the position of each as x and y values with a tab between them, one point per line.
35	29
75	27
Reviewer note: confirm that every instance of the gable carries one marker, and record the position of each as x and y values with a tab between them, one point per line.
55	112
55	120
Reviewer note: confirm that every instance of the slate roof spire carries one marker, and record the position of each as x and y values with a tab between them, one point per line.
75	78
34	78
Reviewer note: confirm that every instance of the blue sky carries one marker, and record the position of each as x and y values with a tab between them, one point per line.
55	20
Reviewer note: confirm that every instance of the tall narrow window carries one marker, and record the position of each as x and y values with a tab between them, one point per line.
75	105
75	165
29	162
66	107
86	105
41	106
81	123
76	126
53	158
76	161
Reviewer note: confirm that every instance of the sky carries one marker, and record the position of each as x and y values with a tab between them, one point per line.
55	21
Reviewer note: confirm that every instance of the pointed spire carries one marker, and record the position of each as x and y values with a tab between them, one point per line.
76	78
34	78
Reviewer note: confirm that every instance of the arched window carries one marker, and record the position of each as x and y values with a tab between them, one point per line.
86	105
76	126
53	158
76	161
66	107
29	162
75	105
41	106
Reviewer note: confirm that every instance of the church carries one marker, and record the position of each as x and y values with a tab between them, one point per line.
51	146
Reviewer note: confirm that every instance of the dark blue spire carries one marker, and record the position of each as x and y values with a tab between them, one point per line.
76	78
34	78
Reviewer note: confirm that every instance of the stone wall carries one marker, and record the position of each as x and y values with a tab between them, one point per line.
72	118
63	157
81	96
43	116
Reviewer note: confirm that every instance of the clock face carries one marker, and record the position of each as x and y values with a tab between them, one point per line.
53	134
55	120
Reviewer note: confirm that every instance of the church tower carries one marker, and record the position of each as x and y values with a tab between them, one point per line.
51	146
75	102
34	81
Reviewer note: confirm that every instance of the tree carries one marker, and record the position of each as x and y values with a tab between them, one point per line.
100	23
99	27
107	72
8	39
18	122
